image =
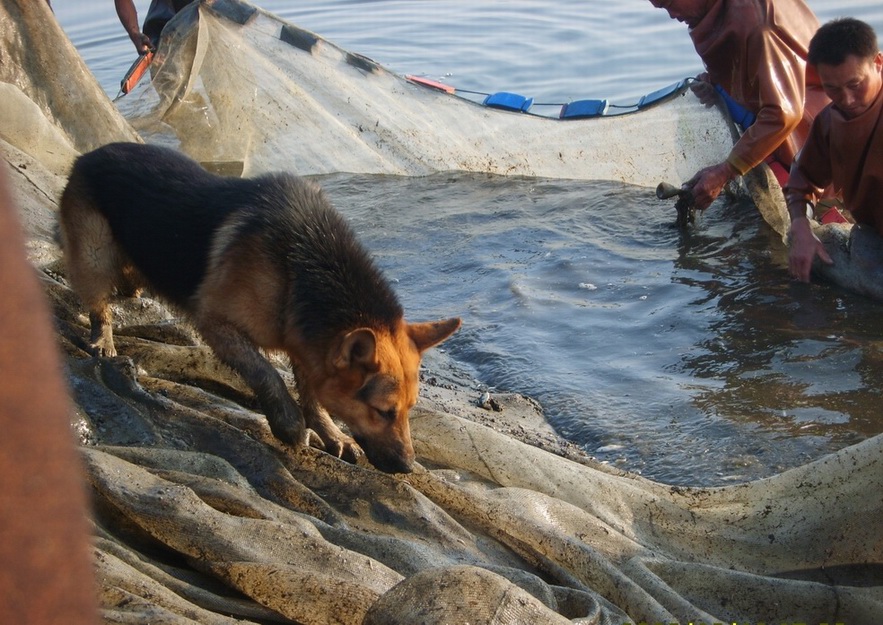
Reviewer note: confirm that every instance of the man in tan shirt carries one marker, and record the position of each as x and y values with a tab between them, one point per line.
756	51
845	146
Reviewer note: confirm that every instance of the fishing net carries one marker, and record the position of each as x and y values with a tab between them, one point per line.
237	85
38	60
201	516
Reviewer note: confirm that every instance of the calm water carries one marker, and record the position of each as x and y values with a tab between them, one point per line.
690	358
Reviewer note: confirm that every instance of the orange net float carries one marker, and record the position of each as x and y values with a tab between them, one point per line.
136	71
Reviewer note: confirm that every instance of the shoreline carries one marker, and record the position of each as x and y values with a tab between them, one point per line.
445	386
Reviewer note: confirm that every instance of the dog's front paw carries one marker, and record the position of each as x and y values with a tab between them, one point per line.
344	448
289	431
325	435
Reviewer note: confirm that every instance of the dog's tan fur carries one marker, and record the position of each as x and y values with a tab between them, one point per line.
365	375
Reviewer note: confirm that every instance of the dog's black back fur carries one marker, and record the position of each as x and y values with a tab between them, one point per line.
168	241
335	285
165	214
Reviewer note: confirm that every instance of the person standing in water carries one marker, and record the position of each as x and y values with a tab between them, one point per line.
845	145
755	52
160	11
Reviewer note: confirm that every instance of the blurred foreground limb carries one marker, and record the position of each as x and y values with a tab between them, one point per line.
47	576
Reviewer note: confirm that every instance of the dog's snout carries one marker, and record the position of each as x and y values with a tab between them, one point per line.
396	465
398	458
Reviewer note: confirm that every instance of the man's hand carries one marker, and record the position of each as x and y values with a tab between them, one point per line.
704	90
805	246
142	42
708	183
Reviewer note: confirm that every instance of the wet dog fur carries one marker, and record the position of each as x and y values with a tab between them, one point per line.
262	263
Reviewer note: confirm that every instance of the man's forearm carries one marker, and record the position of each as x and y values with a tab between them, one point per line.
797	206
128	16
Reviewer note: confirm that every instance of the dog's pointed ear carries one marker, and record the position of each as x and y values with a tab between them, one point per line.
357	349
430	333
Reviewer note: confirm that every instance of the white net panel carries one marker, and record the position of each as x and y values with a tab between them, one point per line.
270	95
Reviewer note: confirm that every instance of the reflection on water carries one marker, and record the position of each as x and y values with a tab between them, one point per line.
689	357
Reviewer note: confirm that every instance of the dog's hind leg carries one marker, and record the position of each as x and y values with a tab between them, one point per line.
238	352
93	261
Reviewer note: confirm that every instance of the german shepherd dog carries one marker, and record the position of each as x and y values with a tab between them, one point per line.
262	263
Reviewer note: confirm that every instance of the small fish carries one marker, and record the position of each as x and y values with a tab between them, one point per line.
685	205
484	400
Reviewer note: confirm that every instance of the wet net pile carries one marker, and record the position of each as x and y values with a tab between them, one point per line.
201	516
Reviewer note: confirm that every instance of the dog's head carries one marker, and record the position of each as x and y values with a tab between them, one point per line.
373	385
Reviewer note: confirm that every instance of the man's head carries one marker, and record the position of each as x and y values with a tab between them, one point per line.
690	12
848	60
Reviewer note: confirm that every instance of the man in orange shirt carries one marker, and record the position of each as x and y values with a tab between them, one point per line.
755	50
845	145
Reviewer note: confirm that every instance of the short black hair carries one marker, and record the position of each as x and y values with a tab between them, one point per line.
840	38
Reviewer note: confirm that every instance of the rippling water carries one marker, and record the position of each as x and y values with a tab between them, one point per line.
691	358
